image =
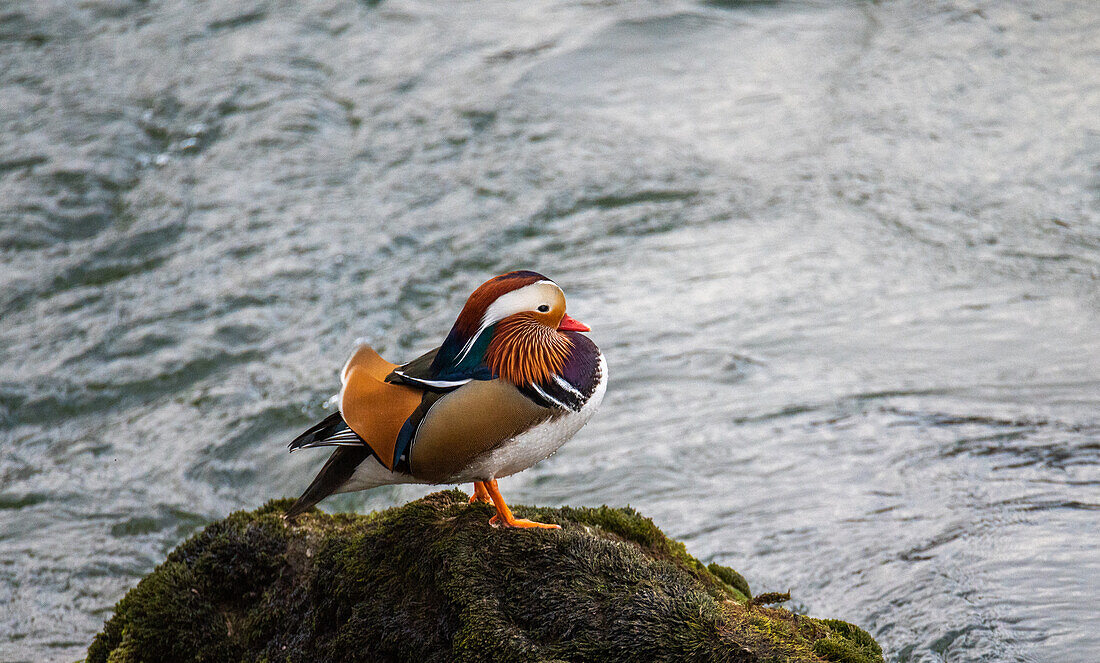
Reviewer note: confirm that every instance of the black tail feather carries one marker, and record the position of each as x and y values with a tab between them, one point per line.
327	427
339	468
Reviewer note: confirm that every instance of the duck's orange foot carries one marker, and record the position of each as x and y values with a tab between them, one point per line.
496	521
480	494
504	517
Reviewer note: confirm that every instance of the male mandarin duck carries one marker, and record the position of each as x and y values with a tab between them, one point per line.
513	381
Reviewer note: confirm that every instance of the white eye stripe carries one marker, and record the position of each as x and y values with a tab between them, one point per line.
521	299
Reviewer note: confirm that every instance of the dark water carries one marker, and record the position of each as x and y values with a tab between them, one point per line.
843	259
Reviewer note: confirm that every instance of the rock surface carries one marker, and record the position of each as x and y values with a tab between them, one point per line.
432	581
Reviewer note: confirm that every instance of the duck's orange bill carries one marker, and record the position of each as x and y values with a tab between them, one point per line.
569	324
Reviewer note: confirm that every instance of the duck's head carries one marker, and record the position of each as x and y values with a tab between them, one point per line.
527	294
514	324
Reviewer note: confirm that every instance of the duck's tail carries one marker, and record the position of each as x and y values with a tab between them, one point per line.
336	472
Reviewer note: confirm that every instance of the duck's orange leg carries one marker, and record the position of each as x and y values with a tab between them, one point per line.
504	514
480	494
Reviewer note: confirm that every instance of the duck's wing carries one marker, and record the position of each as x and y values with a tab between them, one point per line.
420	372
332	431
368	423
374	409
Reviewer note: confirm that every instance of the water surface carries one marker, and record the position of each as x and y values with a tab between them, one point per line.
843	259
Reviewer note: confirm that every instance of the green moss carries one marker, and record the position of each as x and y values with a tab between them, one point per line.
847	643
731	578
629	525
432	581
124	652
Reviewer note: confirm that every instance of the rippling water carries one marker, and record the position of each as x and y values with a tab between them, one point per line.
843	258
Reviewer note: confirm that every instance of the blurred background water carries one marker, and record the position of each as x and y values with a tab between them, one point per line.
843	258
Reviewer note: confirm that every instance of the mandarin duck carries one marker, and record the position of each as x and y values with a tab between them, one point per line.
513	380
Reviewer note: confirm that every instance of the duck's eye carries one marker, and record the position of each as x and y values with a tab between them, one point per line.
543	308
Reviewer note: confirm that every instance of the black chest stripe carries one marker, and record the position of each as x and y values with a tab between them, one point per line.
573	389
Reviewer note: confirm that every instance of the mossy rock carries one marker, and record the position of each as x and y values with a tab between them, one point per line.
432	581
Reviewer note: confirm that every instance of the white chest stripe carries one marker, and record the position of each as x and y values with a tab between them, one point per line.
538	390
565	384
